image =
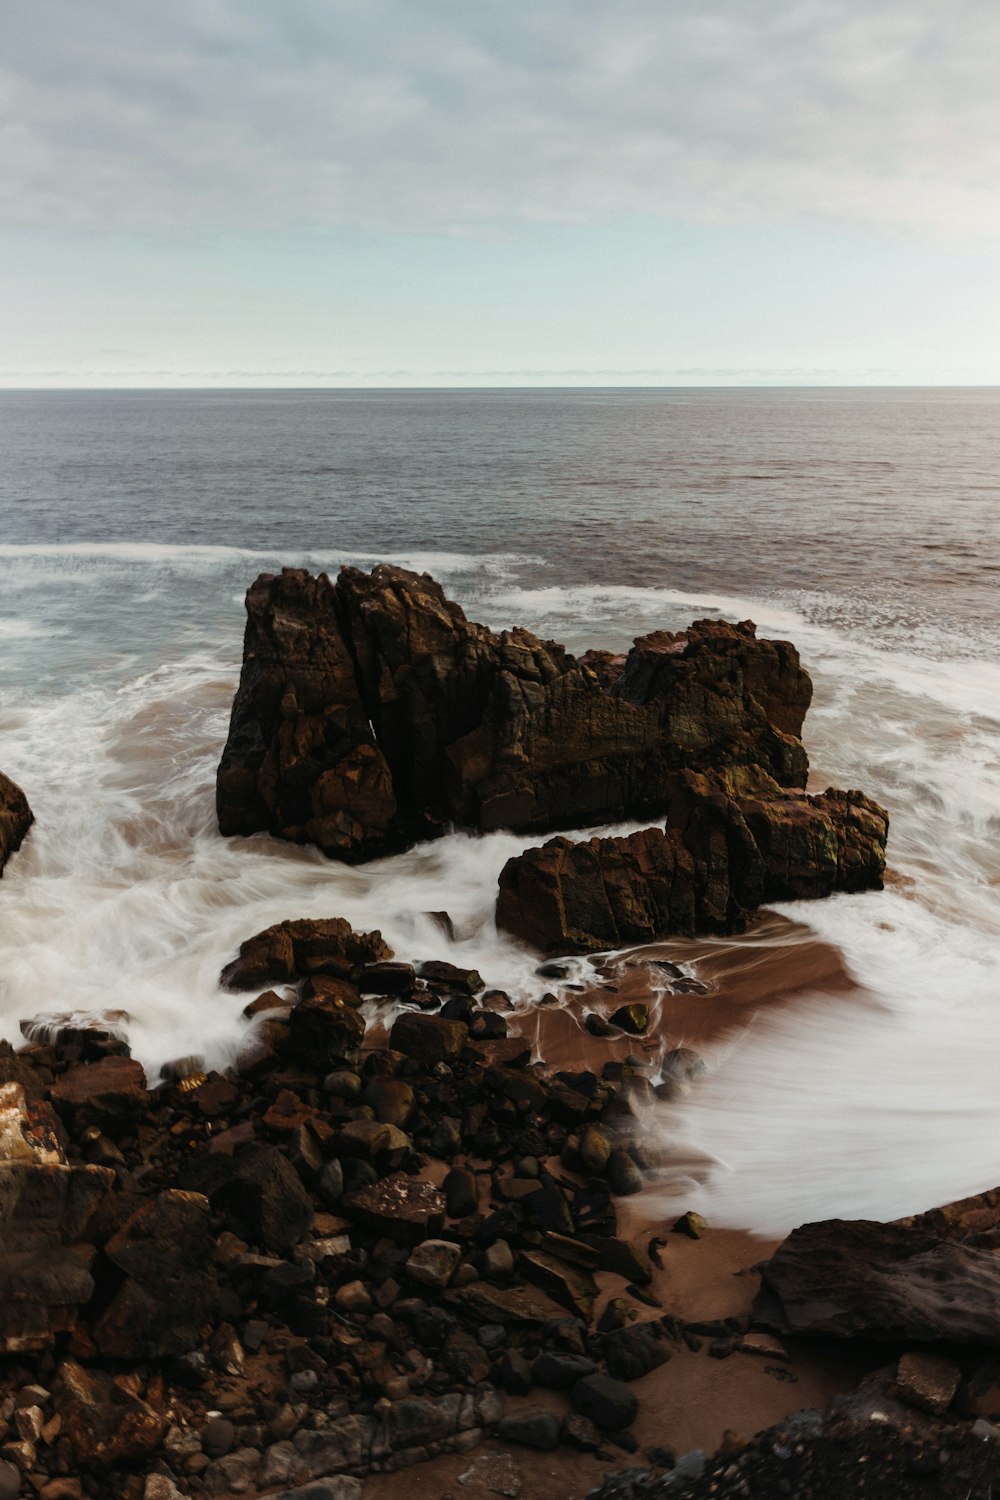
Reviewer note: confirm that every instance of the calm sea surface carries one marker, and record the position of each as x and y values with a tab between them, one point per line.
864	525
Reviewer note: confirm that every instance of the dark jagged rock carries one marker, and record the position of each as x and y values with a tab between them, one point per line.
258	1191
96	1093
371	713
927	1279
288	951
16	818
732	841
105	1425
166	1251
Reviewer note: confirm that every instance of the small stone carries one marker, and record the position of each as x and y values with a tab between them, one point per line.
609	1404
928	1381
595	1149
691	1224
532	1427
561	1371
624	1177
461	1192
493	1474
764	1345
303	1382
433	1262
353	1297
498	1259
218	1437
580	1432
10	1481
158	1487
633	1019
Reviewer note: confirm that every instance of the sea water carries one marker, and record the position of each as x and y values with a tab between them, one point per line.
862	525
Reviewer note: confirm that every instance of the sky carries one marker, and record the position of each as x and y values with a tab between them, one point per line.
499	192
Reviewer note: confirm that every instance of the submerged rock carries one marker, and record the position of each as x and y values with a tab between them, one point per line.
16	818
733	840
372	713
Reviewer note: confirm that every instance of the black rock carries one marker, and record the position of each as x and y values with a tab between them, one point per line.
608	1403
532	1427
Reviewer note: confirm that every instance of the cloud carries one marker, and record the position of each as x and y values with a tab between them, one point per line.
445	116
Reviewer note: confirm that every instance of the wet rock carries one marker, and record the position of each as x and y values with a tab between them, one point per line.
258	1191
608	1403
928	1381
444	976
559	1372
428	1039
100	1093
399	1206
461	1192
371	713
492	1474
386	978
289	950
372	1141
324	1030
571	1287
353	1297
579	1432
15	818
630	1353
531	1427
433	1262
624	1177
105	1425
633	1019
734	839
218	1437
166	1250
392	1099
595	1149
691	1224
905	1281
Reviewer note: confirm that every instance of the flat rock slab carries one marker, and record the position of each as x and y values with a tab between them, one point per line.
402	1207
861	1279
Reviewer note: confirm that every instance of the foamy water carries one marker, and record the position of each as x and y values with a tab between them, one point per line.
118	662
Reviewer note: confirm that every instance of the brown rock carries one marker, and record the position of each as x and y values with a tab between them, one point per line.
928	1381
428	1039
372	712
99	1093
402	1207
861	1279
324	1030
166	1250
105	1425
289	950
15	818
732	841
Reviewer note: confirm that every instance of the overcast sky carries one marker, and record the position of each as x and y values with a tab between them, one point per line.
373	192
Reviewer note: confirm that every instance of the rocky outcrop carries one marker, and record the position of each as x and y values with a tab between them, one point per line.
372	713
15	818
733	840
930	1279
46	1209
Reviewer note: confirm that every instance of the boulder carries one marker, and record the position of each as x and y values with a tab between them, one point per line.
102	1093
105	1425
917	1280
258	1191
15	818
733	840
428	1039
371	713
290	950
46	1211
166	1250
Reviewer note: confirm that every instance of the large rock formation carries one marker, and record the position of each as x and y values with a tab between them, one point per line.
15	818
732	841
371	713
933	1278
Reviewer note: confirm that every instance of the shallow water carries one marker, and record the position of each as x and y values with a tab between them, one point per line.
854	1069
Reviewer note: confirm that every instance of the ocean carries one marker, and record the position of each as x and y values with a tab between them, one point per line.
853	1044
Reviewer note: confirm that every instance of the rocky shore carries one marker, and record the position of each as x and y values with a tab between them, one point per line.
363	1250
